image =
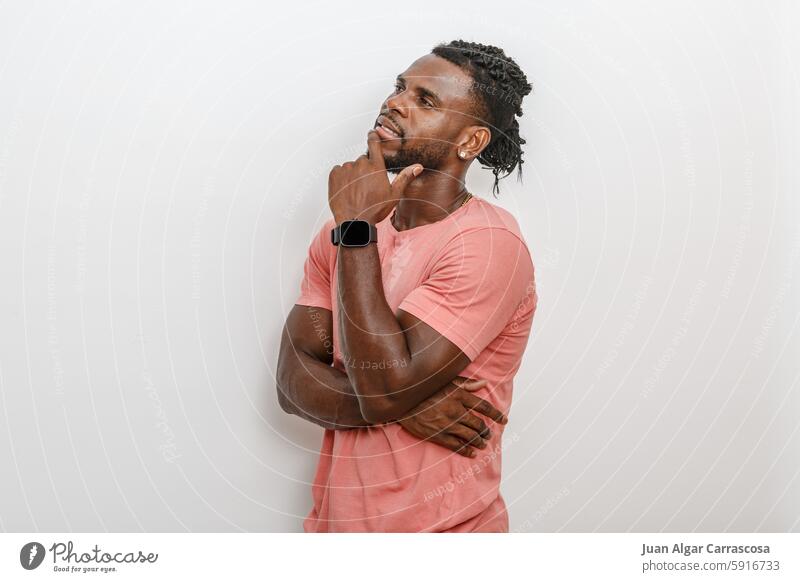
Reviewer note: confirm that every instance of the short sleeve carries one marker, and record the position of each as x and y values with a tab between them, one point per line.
475	288
315	289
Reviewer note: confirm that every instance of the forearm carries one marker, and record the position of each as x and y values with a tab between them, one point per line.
373	343
318	392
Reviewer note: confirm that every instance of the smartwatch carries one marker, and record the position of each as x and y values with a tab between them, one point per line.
354	233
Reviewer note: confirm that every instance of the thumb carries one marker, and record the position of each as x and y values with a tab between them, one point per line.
469	384
404	178
473	385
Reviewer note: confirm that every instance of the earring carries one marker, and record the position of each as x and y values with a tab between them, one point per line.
462	155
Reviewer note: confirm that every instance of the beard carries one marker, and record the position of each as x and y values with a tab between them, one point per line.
431	154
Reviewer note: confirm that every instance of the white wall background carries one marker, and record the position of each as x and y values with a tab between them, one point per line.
163	167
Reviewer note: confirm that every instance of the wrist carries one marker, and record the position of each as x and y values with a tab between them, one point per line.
341	217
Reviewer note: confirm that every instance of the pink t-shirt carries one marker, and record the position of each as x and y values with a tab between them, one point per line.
470	277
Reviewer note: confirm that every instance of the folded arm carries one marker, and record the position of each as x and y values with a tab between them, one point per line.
308	385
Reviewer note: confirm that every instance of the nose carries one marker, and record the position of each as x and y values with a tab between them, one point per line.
397	104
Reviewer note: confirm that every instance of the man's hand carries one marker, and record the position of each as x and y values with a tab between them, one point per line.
446	418
361	188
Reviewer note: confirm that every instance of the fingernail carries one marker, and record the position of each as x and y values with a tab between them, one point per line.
417	171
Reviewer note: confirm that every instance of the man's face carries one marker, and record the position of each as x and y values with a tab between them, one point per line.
420	121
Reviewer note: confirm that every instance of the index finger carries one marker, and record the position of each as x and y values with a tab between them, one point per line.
484	407
374	149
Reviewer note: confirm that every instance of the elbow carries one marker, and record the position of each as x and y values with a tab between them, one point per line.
283	401
281	381
377	409
385	406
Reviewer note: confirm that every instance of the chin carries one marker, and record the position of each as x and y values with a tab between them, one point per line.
393	165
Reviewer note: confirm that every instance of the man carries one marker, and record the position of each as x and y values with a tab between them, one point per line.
411	324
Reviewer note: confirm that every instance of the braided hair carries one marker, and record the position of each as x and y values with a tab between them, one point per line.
499	86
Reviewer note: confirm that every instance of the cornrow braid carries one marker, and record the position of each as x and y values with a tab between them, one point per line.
499	87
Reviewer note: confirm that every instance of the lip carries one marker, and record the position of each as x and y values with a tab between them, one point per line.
386	129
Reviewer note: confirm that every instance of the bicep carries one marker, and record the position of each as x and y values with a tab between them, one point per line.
308	330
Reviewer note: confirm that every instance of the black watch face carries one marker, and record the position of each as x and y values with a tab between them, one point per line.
355	233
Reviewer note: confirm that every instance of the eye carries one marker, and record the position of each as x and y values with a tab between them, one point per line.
398	88
426	102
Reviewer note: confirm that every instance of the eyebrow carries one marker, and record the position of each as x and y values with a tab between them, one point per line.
423	91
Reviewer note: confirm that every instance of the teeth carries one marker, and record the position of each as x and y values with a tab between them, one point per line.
389	130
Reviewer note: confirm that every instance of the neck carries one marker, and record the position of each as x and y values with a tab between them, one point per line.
431	197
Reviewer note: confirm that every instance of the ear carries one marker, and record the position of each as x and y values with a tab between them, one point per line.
472	141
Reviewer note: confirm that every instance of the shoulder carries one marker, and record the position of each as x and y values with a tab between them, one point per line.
320	245
324	233
490	214
488	226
